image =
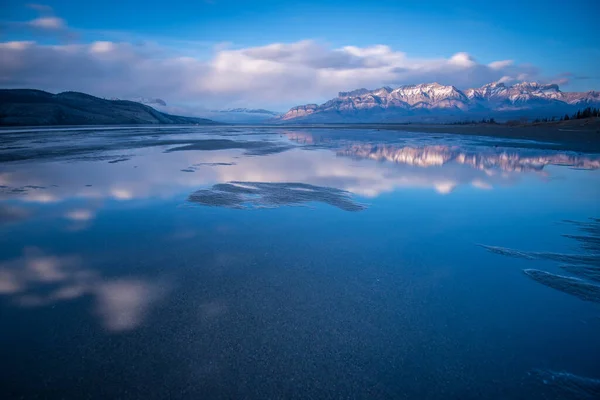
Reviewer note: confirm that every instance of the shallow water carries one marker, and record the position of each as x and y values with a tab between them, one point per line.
233	262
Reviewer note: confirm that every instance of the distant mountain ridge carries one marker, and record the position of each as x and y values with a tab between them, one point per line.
435	101
21	107
250	111
241	115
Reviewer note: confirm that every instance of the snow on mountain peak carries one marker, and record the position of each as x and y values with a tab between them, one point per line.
409	99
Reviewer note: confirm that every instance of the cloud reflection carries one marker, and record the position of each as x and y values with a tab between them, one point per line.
10	214
37	279
354	165
80	215
123	304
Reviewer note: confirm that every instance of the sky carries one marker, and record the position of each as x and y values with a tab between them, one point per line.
212	54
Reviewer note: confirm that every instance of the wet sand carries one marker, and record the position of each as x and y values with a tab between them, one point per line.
575	135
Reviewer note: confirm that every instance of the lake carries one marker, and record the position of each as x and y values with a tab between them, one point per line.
271	262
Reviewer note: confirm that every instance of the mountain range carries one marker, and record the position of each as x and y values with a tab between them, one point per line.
249	111
432	102
242	115
227	116
425	103
36	107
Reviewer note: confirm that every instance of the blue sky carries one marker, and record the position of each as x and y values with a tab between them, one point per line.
549	40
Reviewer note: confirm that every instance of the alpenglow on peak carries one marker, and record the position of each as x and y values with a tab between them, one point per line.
435	101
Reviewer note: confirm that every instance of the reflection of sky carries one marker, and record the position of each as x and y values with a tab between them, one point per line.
113	262
366	169
71	192
36	279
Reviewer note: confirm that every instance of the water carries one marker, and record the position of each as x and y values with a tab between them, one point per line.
232	262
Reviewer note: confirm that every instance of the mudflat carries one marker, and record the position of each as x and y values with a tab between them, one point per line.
574	135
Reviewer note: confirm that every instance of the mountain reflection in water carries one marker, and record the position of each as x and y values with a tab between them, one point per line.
482	158
333	161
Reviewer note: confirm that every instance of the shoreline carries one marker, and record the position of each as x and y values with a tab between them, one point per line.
575	135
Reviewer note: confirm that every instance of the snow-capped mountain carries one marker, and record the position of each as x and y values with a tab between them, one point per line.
525	93
435	101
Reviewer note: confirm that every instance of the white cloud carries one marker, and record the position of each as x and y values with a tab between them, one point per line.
16	45
276	74
52	23
41	8
501	64
506	79
560	81
47	24
102	47
465	60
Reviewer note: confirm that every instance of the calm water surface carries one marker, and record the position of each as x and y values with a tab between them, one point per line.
260	263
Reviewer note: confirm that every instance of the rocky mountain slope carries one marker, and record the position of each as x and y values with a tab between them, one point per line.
36	107
435	102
